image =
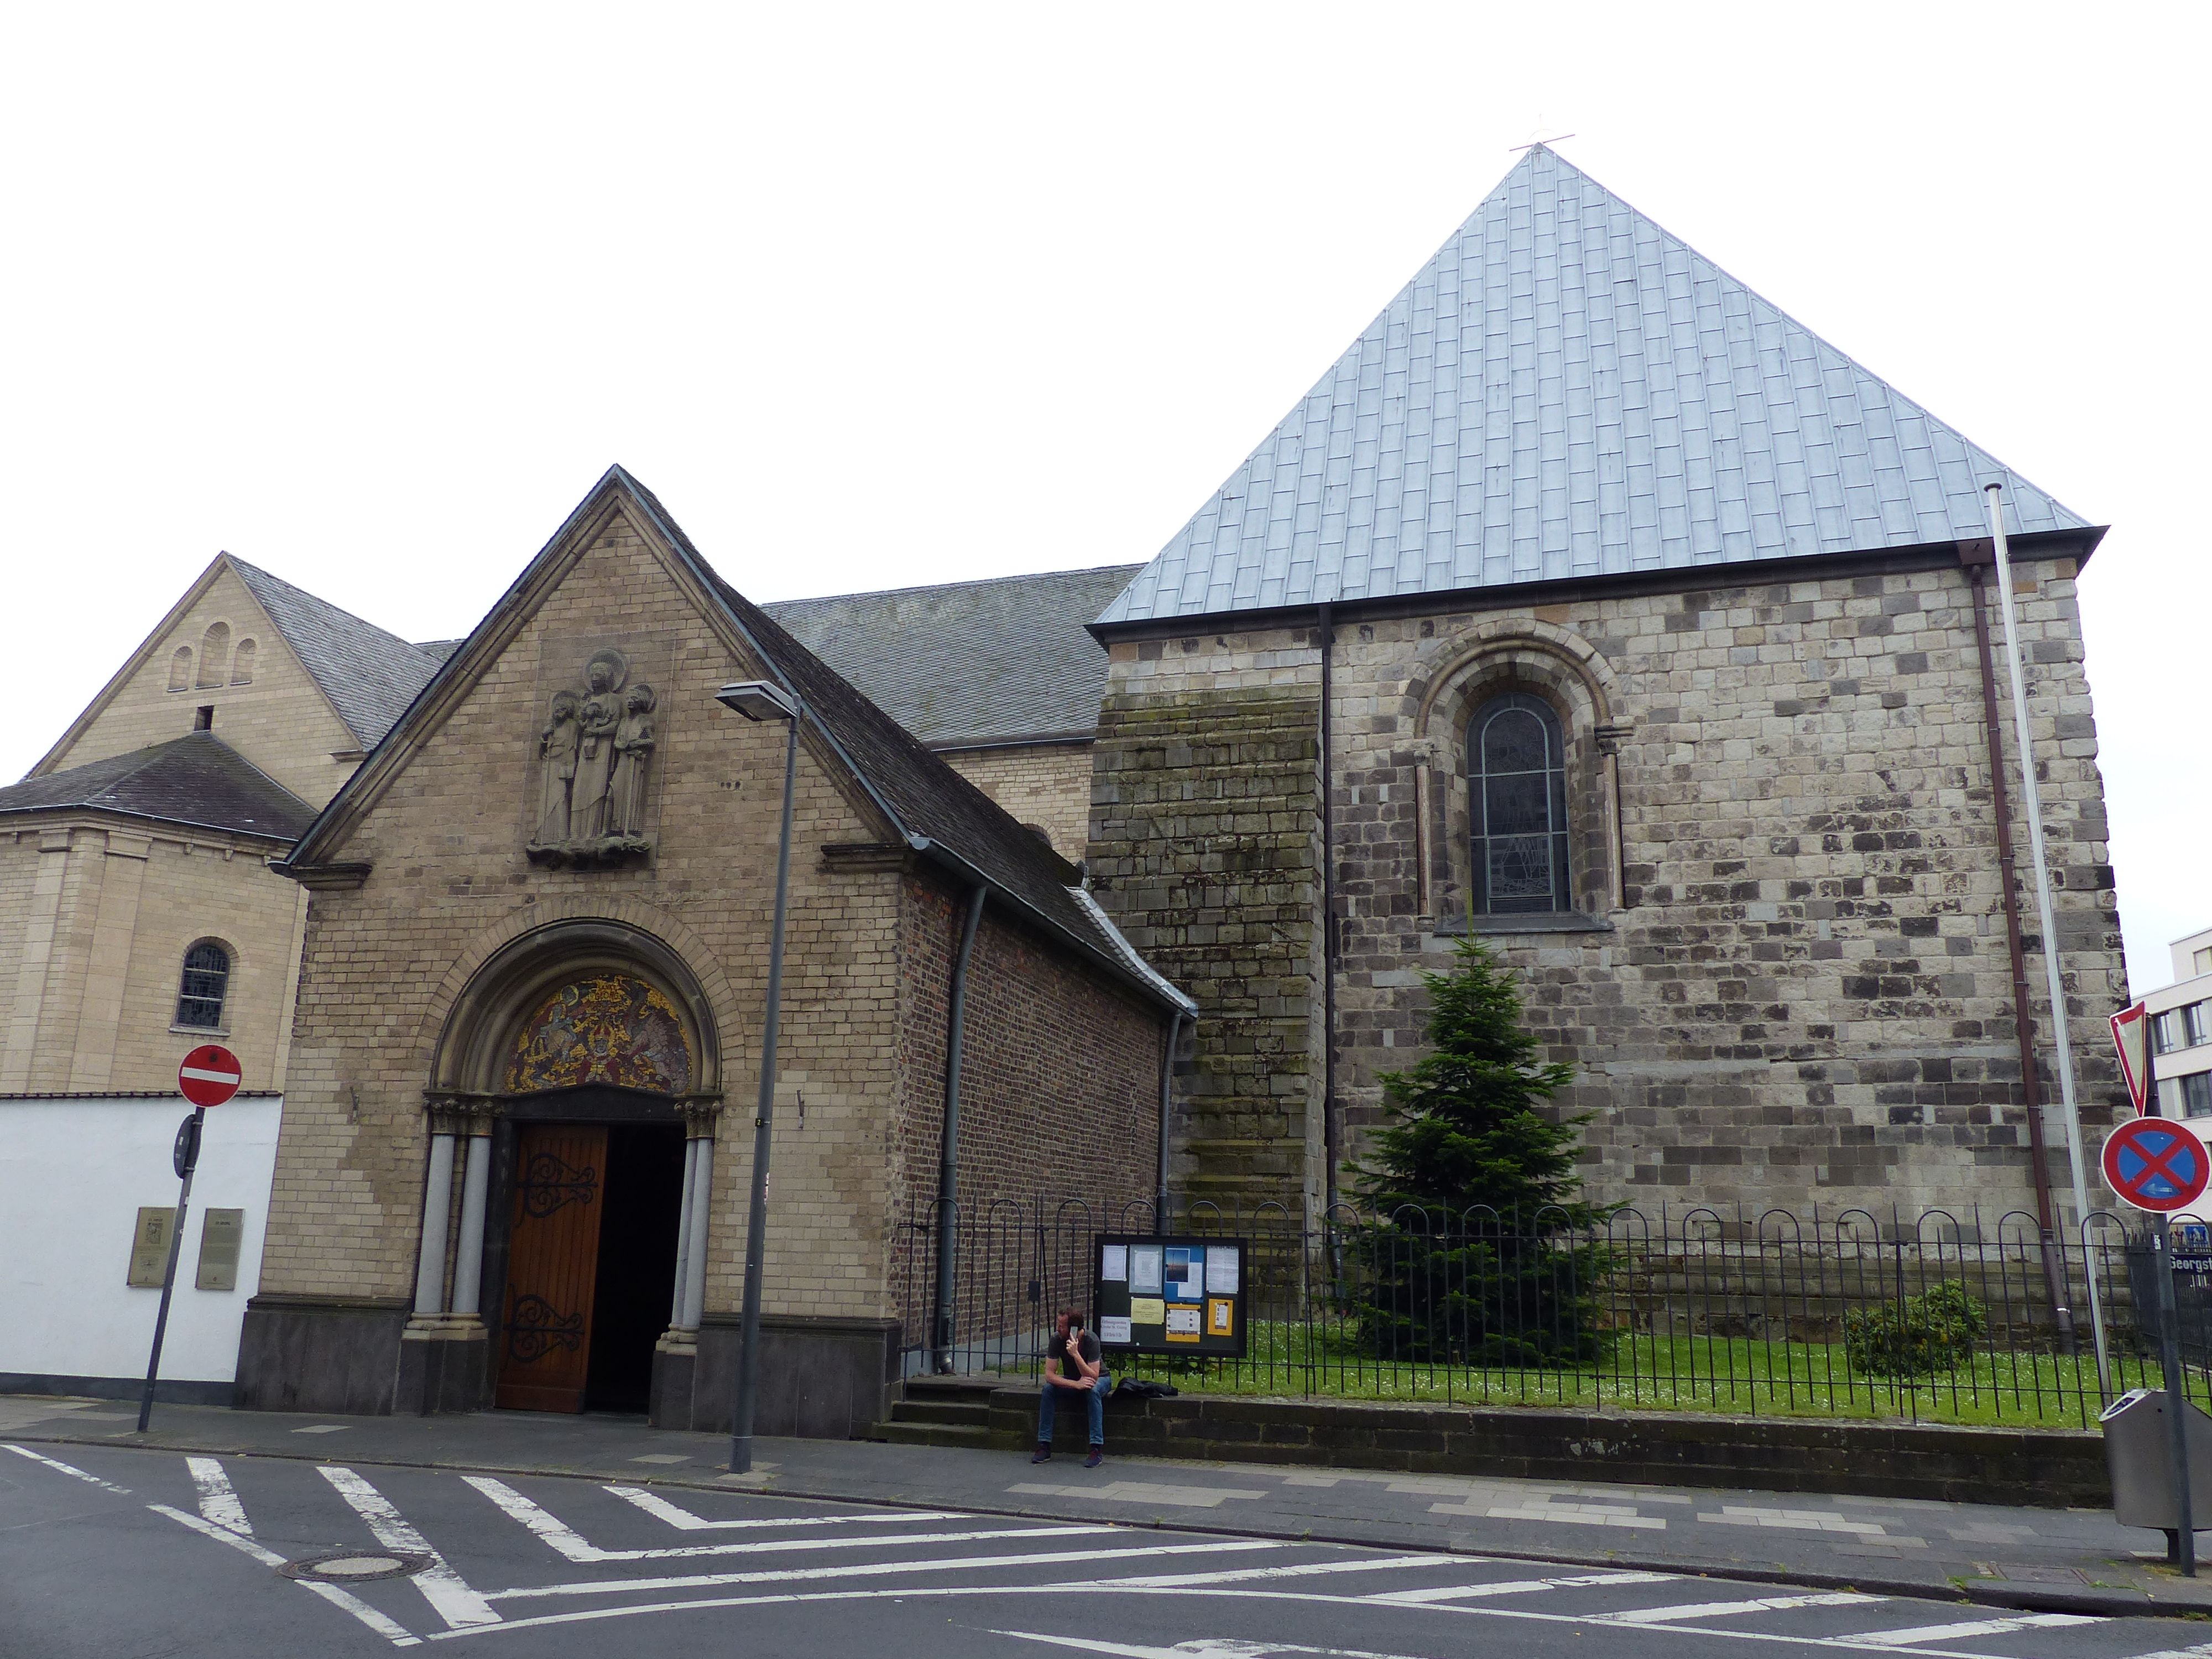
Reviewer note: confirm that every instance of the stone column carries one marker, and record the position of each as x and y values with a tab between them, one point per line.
683	1234
476	1185
703	1188
437	1205
676	1356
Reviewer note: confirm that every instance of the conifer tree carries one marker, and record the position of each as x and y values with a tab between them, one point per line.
1478	1248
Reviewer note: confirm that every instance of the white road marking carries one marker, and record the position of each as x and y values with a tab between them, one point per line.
1723	1609
1225	1648
1302	1569
684	1521
70	1469
1978	1627
558	1535
441	1587
337	1596
1521	1586
1133	1550
218	1502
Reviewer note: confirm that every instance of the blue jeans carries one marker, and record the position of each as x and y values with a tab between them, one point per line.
1055	1396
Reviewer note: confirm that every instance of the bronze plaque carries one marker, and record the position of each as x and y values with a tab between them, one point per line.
149	1247
221	1233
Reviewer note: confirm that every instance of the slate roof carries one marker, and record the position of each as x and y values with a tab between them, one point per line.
971	662
1568	389
369	676
196	779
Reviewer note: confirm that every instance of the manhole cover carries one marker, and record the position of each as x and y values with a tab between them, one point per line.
356	1566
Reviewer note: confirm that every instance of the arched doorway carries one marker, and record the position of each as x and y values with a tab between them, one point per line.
592	1055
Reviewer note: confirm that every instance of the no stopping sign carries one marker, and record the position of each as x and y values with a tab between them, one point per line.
2154	1163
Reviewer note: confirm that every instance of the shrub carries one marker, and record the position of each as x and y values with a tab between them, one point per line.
1923	1335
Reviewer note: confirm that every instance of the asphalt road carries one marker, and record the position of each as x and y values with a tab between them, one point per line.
126	1555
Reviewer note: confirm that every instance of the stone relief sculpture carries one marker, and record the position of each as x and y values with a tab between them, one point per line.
595	750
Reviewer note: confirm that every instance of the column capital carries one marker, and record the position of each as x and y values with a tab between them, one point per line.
455	1113
700	1113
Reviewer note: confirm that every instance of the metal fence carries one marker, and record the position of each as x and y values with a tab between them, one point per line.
1944	1317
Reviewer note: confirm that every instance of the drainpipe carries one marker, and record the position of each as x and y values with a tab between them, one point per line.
2031	1085
1325	632
1167	1081
948	1162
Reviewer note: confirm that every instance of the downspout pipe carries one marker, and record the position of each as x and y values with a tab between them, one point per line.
1325	638
1167	1089
2031	1085
948	1158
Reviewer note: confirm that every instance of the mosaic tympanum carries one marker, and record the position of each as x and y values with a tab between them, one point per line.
602	1028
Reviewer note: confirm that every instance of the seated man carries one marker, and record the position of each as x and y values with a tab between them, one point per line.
1073	1372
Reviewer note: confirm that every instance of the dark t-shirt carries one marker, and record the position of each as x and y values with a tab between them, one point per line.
1084	1343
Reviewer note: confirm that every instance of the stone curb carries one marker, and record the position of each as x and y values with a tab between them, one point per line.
2021	1598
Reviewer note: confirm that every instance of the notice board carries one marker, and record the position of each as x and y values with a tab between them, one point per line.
1171	1296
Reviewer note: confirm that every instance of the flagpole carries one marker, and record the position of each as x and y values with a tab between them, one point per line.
2032	802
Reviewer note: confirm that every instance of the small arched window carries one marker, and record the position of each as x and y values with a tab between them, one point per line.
181	669
241	663
215	653
1517	784
206	981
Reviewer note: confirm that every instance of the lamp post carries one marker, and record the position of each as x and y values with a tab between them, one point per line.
758	700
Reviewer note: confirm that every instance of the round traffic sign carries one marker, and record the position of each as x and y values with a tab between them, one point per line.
208	1076
2154	1163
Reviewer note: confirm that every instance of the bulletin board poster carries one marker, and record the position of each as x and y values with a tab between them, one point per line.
1171	1296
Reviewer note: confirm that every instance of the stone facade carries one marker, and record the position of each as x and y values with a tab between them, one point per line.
427	889
1787	981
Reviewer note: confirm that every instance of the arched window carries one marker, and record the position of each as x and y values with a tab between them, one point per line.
207	978
181	669
1517	784
241	663
215	653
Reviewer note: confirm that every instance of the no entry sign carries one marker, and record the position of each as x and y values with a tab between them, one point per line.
2156	1165
208	1076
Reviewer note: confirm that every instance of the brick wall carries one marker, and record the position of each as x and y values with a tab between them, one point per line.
1048	785
1204	843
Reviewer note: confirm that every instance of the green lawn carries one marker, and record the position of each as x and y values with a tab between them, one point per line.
1643	1373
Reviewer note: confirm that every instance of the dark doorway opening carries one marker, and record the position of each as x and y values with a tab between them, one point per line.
635	1277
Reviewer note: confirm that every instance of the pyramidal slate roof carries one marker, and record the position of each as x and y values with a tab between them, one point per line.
196	779
975	662
1567	390
369	676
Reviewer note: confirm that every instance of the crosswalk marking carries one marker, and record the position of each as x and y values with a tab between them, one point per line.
70	1469
1133	1550
1521	1587
1724	1609
566	1541
683	1519
450	1598
336	1594
218	1502
1978	1627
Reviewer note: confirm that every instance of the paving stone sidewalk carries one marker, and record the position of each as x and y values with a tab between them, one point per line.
2072	1560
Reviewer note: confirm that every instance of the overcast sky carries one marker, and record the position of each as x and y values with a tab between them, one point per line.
877	296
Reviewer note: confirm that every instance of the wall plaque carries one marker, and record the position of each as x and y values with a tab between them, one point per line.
149	1247
222	1234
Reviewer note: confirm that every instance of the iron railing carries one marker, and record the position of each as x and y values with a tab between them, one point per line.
1947	1316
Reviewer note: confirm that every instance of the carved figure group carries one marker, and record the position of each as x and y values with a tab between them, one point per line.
596	751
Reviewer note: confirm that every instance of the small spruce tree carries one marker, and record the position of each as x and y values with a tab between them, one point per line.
1478	1249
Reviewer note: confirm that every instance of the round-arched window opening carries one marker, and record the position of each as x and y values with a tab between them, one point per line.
1517	805
205	984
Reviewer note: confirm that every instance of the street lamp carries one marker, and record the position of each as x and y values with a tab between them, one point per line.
758	700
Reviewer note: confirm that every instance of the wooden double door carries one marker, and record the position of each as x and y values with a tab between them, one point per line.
591	1265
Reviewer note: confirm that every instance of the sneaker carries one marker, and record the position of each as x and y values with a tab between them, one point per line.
1097	1456
1039	1453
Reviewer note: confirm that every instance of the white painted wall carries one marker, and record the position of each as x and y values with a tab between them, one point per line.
73	1174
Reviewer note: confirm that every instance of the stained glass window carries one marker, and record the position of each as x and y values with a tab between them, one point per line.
1517	786
207	977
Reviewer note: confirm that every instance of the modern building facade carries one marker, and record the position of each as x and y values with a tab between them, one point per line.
2181	1031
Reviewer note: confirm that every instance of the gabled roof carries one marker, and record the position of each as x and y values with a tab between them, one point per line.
368	675
196	780
975	662
1567	390
938	814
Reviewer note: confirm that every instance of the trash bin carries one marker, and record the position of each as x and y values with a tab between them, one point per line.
2139	1453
